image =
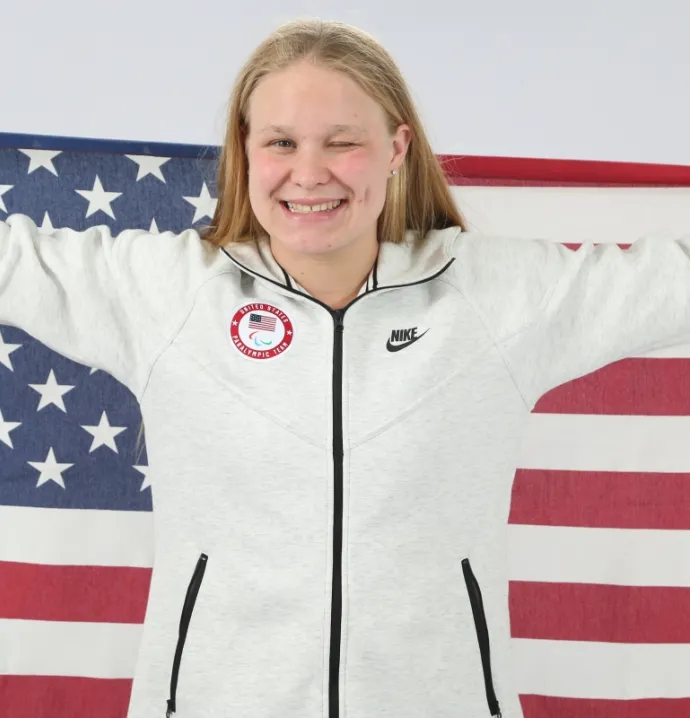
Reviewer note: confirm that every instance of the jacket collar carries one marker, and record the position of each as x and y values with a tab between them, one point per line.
409	262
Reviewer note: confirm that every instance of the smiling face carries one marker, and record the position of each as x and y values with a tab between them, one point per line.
316	137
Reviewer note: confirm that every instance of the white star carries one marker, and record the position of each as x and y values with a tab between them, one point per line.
5	428
4	188
149	166
5	351
147	481
41	158
50	470
51	392
98	198
47	226
205	204
153	229
104	434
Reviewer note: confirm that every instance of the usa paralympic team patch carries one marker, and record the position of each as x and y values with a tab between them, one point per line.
261	331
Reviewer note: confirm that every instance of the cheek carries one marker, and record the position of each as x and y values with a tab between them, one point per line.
264	172
361	174
356	167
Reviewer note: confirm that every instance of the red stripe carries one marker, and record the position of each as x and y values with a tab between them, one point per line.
643	387
526	171
547	707
593	612
62	697
601	499
73	593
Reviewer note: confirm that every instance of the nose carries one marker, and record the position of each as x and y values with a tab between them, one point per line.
309	168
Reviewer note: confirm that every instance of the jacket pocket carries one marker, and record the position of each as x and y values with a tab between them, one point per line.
482	629
187	609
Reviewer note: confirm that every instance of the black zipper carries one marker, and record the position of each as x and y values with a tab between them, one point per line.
482	629
337	592
187	609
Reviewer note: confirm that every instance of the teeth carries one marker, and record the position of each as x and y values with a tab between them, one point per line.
306	209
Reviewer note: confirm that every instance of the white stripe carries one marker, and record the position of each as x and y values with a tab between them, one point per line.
682	351
76	537
585	442
621	557
576	214
616	671
50	648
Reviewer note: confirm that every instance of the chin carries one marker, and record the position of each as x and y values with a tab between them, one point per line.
310	243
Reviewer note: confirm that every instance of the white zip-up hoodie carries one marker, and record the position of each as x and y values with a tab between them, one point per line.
331	489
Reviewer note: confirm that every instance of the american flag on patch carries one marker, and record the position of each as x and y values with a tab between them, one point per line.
599	553
259	321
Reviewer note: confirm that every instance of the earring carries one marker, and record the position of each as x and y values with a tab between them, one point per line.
394	172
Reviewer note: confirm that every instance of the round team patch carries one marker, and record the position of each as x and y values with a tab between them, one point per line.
261	331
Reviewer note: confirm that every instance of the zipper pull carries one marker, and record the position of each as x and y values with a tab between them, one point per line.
338	317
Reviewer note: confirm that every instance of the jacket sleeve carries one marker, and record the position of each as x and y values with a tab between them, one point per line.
557	314
107	302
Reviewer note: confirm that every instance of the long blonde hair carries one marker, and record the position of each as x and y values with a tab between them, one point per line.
417	198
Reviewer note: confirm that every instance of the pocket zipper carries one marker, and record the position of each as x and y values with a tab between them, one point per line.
187	608
482	630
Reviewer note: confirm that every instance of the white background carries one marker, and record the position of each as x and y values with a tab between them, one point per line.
575	79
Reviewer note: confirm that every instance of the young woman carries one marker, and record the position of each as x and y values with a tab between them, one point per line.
333	380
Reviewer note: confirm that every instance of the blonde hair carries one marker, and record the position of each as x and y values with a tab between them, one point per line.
417	198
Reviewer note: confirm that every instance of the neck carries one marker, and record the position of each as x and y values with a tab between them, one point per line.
333	278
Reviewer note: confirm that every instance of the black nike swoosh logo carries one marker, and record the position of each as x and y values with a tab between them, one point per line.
398	347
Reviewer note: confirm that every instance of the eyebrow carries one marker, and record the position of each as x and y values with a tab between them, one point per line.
333	129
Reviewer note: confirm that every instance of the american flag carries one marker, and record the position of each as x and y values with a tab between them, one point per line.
599	553
76	539
259	321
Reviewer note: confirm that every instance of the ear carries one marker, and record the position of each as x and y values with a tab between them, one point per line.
400	142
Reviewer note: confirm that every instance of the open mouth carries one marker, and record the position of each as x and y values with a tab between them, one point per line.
314	211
